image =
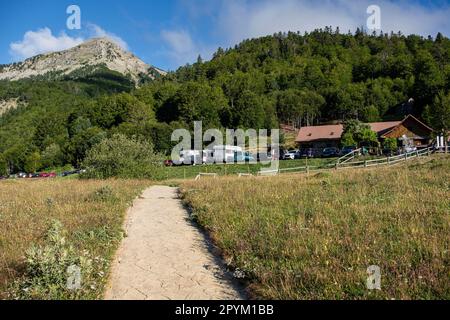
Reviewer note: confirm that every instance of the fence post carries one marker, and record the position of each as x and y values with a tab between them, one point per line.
389	160
365	163
307	169
337	166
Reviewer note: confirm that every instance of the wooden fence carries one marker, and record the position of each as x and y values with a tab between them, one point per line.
387	161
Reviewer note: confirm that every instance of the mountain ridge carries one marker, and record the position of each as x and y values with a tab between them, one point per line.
90	55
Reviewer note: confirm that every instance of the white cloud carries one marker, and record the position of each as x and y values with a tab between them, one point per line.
412	18
42	41
182	49
97	32
179	41
235	20
247	19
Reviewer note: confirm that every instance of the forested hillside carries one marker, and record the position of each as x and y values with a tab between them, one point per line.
284	78
326	75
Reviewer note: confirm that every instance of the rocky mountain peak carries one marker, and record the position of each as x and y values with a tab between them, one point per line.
90	55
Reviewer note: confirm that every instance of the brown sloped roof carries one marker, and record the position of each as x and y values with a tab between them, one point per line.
410	116
333	132
312	133
380	127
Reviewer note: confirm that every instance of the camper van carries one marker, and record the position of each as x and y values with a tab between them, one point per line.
208	156
191	157
227	154
219	154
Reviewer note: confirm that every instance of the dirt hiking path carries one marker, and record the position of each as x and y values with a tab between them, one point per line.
164	256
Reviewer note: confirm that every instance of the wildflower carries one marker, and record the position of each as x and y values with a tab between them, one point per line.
239	274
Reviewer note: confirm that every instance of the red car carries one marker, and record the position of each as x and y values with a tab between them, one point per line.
47	175
168	163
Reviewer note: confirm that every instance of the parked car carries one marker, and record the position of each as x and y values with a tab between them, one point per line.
47	175
244	157
263	157
191	157
69	173
289	155
21	175
410	149
248	157
168	163
330	152
306	153
208	157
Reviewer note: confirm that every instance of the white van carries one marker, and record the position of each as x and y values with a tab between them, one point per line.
226	153
191	157
208	156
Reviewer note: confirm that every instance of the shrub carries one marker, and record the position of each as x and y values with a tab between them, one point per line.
33	162
123	157
104	193
48	269
52	156
3	166
390	144
357	133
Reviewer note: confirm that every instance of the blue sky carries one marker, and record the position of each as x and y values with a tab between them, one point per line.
171	33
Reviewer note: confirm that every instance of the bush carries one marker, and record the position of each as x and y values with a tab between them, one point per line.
123	157
390	144
357	133
3	166
33	162
52	156
104	193
49	269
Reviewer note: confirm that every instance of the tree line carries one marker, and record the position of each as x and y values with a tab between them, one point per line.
293	78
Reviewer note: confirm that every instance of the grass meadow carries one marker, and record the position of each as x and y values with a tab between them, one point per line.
89	216
293	236
187	172
314	236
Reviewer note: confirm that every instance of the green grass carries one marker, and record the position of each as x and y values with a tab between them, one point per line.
314	236
181	172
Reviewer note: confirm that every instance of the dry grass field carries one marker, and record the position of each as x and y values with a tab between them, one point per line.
88	215
293	236
313	237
